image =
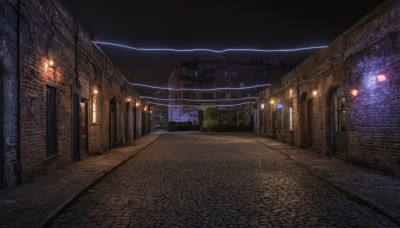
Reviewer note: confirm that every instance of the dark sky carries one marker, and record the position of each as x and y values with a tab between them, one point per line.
217	24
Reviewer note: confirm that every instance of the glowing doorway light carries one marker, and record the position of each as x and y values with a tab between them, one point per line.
208	50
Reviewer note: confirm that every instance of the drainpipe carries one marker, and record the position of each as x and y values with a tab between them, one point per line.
18	149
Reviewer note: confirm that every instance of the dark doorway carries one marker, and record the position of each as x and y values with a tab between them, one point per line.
143	123
331	119
113	123
84	126
134	122
341	133
126	124
1	132
303	120
310	106
51	121
76	128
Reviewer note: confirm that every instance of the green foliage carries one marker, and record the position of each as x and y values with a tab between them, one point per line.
210	117
224	120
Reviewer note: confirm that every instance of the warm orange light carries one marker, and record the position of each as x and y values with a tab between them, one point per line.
95	91
272	101
291	92
51	63
137	104
381	77
129	100
145	108
315	93
354	92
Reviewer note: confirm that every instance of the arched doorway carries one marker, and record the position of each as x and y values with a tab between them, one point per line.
303	120
113	123
1	131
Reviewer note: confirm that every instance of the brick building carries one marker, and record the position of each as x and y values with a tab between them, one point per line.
61	97
344	99
212	74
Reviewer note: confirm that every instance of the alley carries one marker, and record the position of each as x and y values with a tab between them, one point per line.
192	180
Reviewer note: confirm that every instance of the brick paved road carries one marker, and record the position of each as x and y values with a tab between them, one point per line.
213	180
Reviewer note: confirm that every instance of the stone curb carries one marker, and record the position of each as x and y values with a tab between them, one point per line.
45	222
348	192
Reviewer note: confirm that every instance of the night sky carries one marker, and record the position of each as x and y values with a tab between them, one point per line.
211	24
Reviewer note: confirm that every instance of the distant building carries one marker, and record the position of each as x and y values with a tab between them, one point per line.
216	74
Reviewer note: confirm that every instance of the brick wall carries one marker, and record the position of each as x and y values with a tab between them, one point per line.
353	60
47	33
9	165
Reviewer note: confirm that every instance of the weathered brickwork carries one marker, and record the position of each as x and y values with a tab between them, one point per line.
8	70
327	117
81	71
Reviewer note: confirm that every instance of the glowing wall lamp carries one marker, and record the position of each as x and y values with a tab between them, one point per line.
50	63
94	111
315	92
272	101
381	77
291	92
137	104
145	108
262	106
354	92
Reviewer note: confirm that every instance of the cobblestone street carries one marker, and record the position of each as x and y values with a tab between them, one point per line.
203	180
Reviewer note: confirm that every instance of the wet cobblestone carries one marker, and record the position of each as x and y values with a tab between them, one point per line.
200	180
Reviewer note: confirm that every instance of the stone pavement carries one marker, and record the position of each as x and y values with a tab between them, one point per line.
377	190
34	203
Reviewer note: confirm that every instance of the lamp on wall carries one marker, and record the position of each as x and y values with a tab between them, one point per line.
137	104
272	101
381	77
49	63
315	92
262	105
354	92
291	92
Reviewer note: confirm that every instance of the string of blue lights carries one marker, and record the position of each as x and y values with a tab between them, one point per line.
181	105
200	100
209	50
200	89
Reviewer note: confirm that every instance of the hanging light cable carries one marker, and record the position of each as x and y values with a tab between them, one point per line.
200	89
209	50
199	100
174	105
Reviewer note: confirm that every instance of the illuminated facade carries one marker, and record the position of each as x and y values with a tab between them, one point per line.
62	99
345	99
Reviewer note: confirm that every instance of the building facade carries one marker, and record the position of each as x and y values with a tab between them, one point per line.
344	99
61	97
217	74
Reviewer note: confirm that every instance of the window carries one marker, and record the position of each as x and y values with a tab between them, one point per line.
51	121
